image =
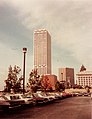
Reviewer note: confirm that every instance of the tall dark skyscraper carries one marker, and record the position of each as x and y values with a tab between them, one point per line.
66	75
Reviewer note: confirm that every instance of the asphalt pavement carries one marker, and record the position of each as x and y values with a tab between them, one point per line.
70	108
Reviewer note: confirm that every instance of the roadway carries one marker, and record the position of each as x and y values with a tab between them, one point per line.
70	108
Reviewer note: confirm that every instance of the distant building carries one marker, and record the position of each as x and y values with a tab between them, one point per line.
84	78
42	51
50	81
66	75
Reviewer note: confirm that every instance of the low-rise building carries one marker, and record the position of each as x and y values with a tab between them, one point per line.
84	77
49	80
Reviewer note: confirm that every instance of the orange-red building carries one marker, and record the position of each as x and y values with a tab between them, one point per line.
49	80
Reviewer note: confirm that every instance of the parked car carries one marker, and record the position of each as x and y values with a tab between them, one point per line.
64	95
55	95
68	94
3	103
10	101
39	98
86	94
45	95
28	99
58	95
52	96
80	94
75	93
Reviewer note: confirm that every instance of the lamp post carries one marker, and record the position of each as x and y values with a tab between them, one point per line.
24	51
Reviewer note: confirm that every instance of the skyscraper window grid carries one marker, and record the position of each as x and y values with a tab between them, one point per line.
42	51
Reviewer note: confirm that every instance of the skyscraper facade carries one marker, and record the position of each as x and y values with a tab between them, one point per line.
66	75
42	51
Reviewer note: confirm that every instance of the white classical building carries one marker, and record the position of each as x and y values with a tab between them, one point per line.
84	78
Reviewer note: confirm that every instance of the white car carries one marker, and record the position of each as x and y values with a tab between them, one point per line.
50	98
11	101
28	99
51	95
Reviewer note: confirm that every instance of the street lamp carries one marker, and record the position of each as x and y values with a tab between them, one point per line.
24	51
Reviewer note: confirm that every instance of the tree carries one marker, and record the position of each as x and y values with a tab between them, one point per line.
59	86
34	80
62	87
13	82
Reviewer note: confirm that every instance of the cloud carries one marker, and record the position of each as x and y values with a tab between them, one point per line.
12	28
69	23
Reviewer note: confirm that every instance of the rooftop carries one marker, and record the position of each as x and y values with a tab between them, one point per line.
85	72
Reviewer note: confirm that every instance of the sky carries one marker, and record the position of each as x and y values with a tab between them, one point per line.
69	23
